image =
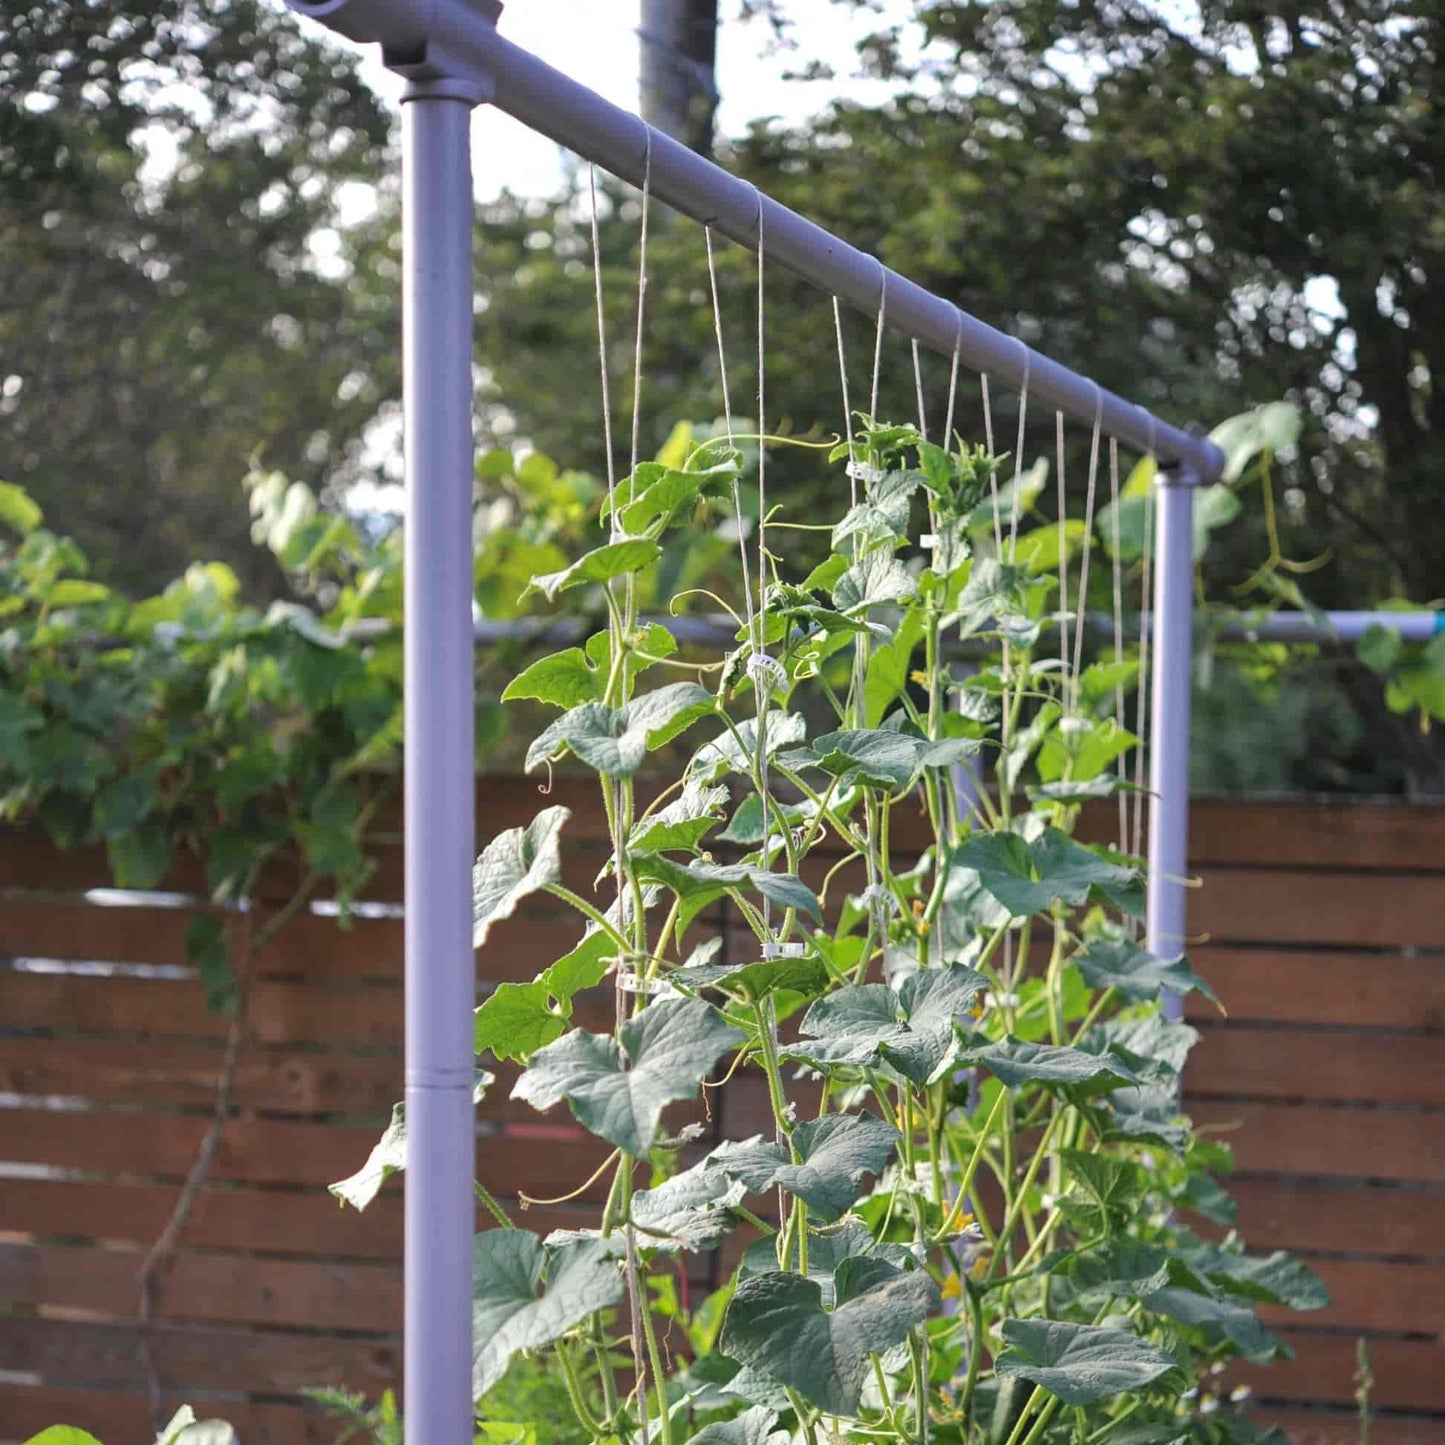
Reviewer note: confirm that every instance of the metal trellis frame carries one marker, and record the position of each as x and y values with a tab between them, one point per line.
453	58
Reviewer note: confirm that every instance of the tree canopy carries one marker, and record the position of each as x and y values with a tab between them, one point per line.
175	291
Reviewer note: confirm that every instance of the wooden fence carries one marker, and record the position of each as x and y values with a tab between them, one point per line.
1325	935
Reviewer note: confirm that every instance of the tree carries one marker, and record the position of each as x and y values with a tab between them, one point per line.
678	69
162	315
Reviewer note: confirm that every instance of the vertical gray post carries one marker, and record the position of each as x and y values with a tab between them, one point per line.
1169	717
440	830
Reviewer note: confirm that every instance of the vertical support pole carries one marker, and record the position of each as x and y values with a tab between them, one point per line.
1169	717
440	827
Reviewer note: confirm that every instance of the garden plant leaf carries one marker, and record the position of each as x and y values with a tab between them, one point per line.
620	1093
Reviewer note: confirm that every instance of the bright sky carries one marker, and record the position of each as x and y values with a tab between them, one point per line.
595	42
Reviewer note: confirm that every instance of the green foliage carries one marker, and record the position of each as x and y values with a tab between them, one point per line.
166	175
947	1044
190	723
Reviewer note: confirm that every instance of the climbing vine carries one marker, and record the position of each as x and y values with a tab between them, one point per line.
972	1217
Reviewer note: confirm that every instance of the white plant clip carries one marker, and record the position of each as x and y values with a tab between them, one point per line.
931	540
767	673
865	472
774	949
881	898
654	987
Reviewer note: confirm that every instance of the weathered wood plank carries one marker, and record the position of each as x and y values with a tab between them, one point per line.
1316	1141
1287	1063
1383	990
1340	1217
1295	905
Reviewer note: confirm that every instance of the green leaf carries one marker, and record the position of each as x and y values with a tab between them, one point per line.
826	1252
1237	1323
834	1153
682	823
565	679
727	754
777	1326
388	1154
875	757
526	1294
753	1427
1039	549
1277	1278
1122	964
692	1210
76	592
700	882
574	972
1106	1189
912	1027
877	579
1380	648
1080	1364
619	1094
613	559
16	720
889	666
1013	1061
1030	483
56	1434
1154	1038
139	859
515	863
20	513
209	955
616	741
1274	427
753	981
387	1157
185	1429
1082	749
517	1020
1028	878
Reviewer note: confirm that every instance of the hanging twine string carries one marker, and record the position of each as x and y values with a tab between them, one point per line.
918	393
847	405
952	384
602	360
620	998
722	364
1013	522
641	299
992	473
1122	762
1086	546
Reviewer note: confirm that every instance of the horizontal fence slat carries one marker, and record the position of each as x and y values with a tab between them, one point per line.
293	1222
69	1352
1342	1427
1381	990
1316	1141
1317	833
1292	905
1340	1218
162	1071
1306	1064
276	1013
215	1288
1408	1373
123	1416
1372	1295
277	1151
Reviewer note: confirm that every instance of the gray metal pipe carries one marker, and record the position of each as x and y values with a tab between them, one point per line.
1169	720
459	39
440	829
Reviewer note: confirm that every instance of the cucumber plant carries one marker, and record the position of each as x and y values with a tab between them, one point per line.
972	1216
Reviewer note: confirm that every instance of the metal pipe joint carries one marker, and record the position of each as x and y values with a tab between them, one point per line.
433	43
